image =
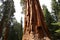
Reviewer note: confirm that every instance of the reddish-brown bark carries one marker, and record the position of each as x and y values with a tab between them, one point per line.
35	27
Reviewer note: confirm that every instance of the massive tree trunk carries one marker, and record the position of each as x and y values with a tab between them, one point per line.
35	27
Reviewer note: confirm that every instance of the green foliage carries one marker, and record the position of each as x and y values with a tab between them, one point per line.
58	23
19	30
54	27
7	14
47	15
12	34
54	5
16	31
56	8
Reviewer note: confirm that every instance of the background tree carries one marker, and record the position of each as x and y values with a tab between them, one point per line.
10	29
8	11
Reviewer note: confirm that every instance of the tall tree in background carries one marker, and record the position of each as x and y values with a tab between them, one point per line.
7	14
12	30
9	9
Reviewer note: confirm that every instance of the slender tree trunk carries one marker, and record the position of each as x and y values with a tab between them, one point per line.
6	32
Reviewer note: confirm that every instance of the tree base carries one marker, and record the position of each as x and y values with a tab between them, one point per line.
32	36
